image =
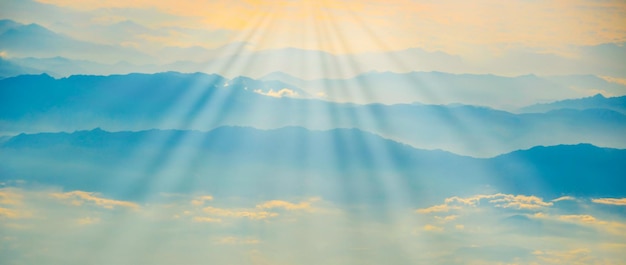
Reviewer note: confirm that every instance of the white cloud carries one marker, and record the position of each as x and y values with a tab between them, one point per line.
202	219
564	198
430	227
584	218
278	94
252	214
520	202
437	209
262	211
610	201
199	200
305	205
447	218
498	200
616	80
481	220
80	197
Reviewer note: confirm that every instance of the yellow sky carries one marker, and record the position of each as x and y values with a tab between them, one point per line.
362	25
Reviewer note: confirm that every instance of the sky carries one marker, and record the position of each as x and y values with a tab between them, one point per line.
515	38
295	132
455	27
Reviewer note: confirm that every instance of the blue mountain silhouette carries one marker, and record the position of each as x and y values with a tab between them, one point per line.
34	40
172	100
295	161
501	92
598	101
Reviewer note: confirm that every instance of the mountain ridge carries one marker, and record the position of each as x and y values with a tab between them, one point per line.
617	103
199	101
310	160
226	129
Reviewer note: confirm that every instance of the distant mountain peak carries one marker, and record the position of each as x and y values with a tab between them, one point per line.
597	101
6	24
599	95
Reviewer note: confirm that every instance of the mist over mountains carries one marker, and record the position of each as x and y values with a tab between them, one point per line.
295	161
37	47
617	104
508	93
203	102
392	77
312	132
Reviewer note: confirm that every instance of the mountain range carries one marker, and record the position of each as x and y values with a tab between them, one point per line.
243	161
501	92
617	104
33	40
99	56
39	103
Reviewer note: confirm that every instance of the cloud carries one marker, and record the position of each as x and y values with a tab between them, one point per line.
88	220
199	200
586	234
564	198
80	197
498	200
520	202
231	240
616	80
10	213
447	218
429	227
519	221
278	94
608	226
437	209
573	256
305	205
584	218
12	199
452	25
262	211
202	219
9	196
250	214
545	38
610	201
321	94
604	226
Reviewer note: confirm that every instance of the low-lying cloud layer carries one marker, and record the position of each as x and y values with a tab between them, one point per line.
513	228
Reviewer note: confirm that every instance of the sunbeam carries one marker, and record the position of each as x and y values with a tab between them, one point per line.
312	132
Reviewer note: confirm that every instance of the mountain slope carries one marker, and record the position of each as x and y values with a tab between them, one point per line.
296	161
229	160
500	92
203	102
571	169
33	40
9	69
598	101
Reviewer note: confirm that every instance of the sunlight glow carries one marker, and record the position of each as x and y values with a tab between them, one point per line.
312	132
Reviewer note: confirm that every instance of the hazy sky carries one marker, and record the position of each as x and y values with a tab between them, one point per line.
453	26
277	195
511	38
